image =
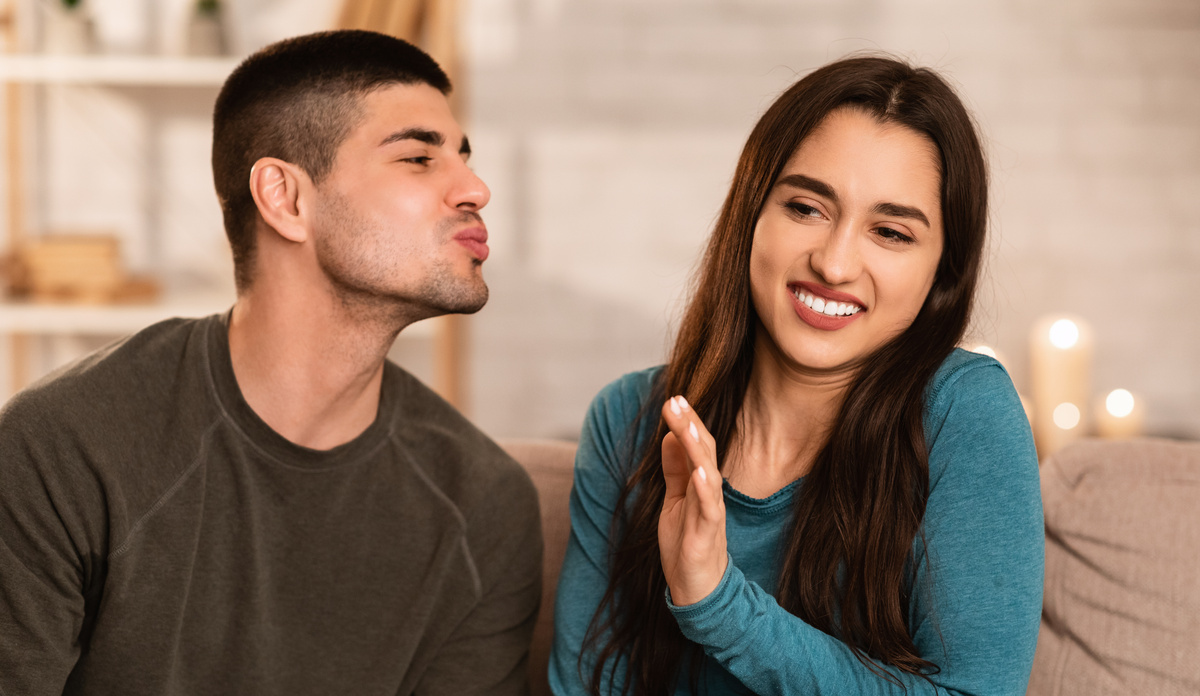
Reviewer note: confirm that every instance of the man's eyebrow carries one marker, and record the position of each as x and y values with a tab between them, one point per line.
904	211
823	189
423	135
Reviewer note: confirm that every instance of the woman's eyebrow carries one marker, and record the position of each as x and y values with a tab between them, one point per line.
824	190
810	184
904	211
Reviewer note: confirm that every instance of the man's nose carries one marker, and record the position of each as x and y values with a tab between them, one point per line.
468	192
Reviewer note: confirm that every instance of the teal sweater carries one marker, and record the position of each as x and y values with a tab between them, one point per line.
974	613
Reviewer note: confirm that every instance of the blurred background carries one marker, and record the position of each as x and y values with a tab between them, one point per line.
608	131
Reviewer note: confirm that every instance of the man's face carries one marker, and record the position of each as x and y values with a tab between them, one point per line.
396	222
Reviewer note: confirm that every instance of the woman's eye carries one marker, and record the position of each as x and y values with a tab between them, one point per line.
895	235
803	210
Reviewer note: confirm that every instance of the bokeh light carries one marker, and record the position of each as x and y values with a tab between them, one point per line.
1066	415
1064	334
1119	403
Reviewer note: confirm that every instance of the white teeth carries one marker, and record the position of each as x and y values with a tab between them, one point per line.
828	308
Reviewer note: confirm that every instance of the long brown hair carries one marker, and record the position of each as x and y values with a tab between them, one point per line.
848	554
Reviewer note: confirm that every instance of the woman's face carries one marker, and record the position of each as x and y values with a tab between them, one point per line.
847	244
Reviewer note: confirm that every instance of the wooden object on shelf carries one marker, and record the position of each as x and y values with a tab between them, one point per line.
77	268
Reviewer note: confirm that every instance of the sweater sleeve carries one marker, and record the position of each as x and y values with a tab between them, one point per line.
602	463
48	549
487	653
976	605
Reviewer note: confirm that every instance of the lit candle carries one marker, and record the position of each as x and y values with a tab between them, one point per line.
1119	415
1061	352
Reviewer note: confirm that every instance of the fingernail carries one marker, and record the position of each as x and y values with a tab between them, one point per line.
703	476
683	403
695	433
675	406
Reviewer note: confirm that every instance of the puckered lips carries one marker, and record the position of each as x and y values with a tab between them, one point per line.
822	308
475	240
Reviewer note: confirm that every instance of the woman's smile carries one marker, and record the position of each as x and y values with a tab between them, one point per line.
847	244
824	309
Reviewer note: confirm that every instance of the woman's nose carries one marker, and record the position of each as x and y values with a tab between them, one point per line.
838	260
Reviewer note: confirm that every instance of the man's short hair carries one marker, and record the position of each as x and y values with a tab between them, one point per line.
297	100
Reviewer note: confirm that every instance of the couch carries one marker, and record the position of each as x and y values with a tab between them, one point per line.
1121	612
551	465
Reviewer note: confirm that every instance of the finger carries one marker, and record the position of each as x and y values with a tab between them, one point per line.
708	499
696	440
675	466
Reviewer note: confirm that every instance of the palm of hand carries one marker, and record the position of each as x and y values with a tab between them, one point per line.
691	526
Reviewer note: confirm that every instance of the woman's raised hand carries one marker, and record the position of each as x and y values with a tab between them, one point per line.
691	527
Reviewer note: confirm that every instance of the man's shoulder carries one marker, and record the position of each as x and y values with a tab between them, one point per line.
107	434
459	459
136	369
113	407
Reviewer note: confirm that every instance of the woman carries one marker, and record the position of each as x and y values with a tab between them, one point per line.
818	494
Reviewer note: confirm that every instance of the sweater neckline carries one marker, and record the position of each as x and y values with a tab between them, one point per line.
260	435
780	498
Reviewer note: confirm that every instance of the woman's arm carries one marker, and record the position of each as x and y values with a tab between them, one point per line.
976	603
602	463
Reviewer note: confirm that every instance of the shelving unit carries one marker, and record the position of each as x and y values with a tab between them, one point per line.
144	71
22	320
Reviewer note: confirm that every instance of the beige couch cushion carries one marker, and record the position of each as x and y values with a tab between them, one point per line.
551	465
1122	604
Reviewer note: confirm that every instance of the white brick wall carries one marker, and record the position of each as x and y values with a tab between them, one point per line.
1090	110
608	131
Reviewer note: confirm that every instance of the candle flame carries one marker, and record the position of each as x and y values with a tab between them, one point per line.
1064	334
1066	415
1119	403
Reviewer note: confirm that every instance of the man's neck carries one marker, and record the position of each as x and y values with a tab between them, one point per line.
310	366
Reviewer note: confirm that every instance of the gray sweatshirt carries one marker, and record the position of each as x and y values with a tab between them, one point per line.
157	537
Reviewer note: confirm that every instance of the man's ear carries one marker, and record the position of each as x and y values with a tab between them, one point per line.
276	188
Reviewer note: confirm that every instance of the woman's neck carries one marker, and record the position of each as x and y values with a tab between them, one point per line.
785	421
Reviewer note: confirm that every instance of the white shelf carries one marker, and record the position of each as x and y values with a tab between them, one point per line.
116	319
117	70
122	319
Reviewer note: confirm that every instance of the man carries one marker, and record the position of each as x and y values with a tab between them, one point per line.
259	502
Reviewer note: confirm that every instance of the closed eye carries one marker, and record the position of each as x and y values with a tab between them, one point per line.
893	235
418	160
803	209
